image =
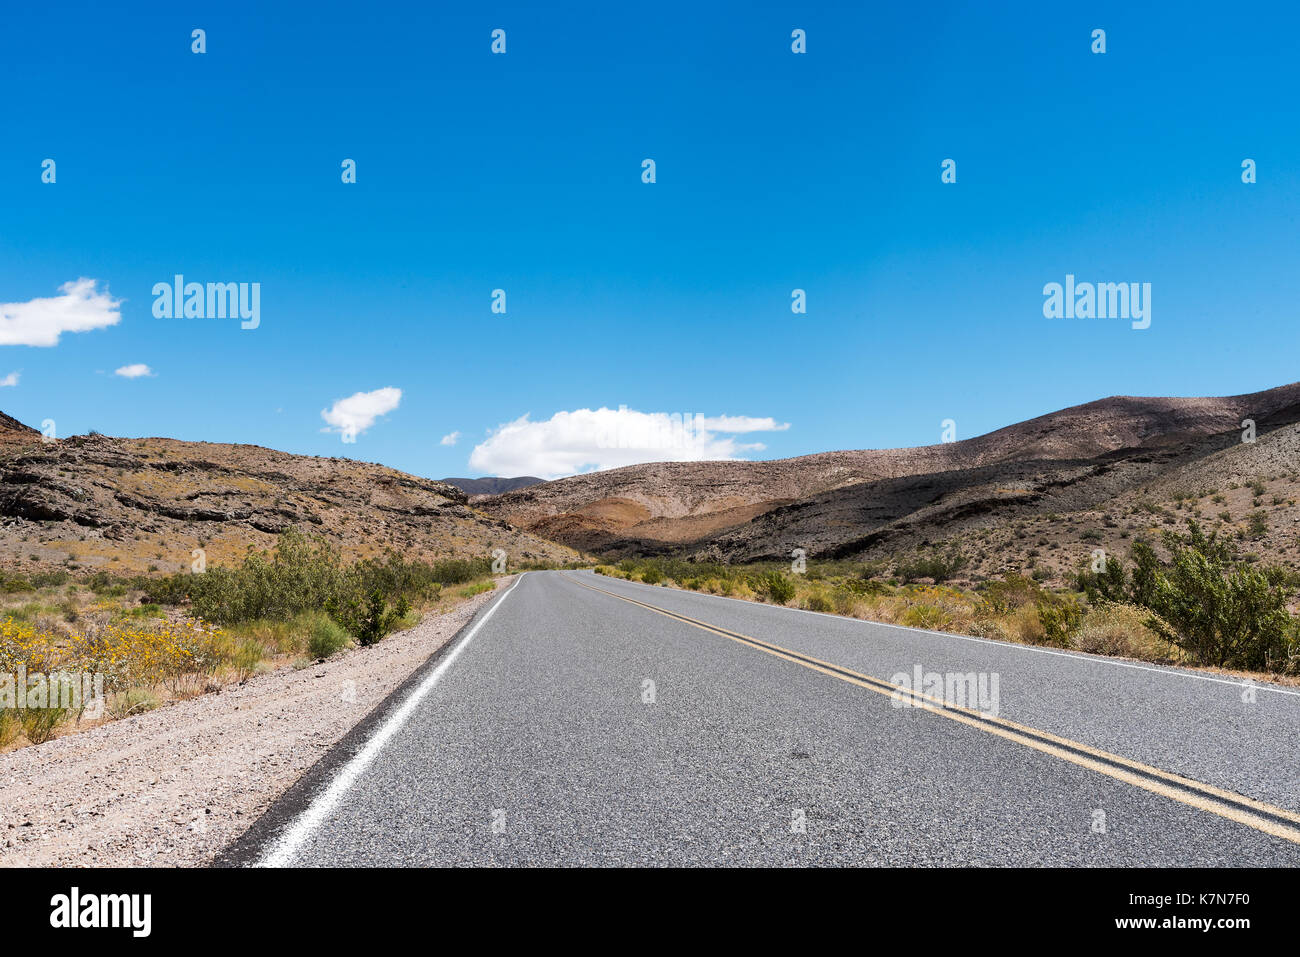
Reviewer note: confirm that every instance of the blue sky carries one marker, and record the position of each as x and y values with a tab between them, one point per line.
522	172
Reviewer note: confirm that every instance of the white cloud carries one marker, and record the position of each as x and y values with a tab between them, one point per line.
40	322
10	380
590	440
356	413
134	371
450	439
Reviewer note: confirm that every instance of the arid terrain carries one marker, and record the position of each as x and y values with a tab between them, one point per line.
492	485
130	505
1040	494
172	785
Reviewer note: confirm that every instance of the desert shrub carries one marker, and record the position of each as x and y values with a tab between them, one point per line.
1109	584
1218	610
819	600
301	574
1282	577
169	590
1023	624
1060	615
456	571
1024	611
370	619
325	637
844	602
171	653
923	615
244	658
467	591
1120	629
866	586
40	724
8	726
937	566
50	579
1011	592
776	587
1206	600
651	575
132	701
305	574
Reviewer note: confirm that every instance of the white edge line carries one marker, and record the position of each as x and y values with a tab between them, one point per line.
286	845
1076	655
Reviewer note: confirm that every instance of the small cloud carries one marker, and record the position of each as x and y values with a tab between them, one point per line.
10	380
40	322
134	371
450	439
356	413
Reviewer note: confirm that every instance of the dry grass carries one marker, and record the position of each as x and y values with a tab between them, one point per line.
151	655
1115	630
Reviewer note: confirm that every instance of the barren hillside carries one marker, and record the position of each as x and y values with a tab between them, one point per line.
132	505
842	504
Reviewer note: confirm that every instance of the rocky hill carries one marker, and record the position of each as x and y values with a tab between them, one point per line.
133	505
1117	451
492	485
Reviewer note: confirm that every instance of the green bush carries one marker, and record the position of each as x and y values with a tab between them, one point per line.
370	619
325	637
1060	616
1207	599
305	576
8	726
938	566
39	724
1219	610
50	579
1007	594
819	601
451	571
651	575
776	587
1108	585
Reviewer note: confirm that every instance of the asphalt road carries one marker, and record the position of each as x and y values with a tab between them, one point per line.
771	736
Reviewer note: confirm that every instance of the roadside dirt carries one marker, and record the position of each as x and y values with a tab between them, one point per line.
172	787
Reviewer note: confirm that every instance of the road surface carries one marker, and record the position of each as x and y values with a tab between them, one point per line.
583	720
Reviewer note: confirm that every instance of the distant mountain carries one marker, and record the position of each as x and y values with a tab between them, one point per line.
492	485
1097	468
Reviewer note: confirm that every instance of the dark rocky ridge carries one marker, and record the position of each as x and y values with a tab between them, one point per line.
131	504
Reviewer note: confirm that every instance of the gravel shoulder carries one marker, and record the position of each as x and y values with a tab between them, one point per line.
172	787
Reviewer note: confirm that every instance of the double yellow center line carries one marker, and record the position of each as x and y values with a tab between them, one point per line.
1272	820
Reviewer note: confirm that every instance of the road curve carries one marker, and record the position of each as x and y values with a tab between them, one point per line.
582	720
